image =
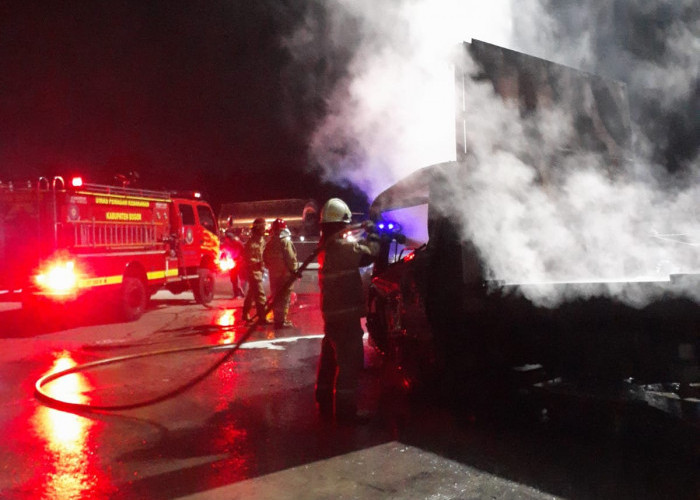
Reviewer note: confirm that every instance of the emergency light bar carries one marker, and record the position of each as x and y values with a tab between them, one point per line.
388	227
197	195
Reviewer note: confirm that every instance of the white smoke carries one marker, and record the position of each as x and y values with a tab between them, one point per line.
583	227
573	39
393	114
621	232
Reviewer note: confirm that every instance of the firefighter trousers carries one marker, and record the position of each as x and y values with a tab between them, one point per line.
255	296
281	296
339	366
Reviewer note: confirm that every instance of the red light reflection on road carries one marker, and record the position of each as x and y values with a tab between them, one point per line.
66	436
227	321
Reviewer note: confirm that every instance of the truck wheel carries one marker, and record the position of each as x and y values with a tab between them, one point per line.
203	287
134	298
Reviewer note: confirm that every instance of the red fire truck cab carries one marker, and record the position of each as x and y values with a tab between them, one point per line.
63	241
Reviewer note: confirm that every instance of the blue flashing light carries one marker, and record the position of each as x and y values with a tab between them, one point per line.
388	227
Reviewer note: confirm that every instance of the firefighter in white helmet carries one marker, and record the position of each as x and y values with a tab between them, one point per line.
343	306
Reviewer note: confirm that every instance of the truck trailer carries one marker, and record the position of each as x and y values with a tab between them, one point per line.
450	322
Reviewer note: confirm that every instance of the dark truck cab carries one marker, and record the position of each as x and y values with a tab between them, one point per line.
439	291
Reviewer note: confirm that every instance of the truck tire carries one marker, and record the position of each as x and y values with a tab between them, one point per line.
134	298
384	321
203	287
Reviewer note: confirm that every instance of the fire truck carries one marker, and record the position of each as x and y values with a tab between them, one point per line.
63	242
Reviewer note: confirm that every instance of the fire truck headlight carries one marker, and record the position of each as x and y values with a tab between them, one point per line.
59	278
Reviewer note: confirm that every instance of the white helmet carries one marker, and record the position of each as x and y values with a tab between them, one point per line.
335	210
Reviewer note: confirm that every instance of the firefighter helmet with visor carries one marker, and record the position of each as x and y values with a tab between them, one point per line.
278	225
335	210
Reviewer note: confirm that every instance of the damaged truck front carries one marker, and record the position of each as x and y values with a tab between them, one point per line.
454	310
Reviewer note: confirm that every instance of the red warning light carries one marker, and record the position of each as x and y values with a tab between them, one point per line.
226	263
76	181
58	278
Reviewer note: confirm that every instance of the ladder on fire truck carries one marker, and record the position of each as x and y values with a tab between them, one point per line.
104	234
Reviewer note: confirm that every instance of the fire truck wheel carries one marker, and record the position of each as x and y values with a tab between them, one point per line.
203	287
134	298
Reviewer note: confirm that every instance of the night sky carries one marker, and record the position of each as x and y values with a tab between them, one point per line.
187	94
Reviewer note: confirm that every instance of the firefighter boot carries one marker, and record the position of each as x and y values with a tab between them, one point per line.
346	411
262	317
324	401
245	314
245	311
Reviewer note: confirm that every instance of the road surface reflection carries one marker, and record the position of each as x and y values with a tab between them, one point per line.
70	471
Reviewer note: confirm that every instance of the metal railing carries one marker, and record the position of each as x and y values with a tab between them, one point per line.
116	235
124	191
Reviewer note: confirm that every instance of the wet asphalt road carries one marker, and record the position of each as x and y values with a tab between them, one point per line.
250	430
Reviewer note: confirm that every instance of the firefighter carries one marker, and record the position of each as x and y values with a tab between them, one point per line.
253	252
342	306
280	257
231	244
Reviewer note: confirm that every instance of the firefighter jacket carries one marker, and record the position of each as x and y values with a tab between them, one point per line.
253	252
232	246
342	293
280	256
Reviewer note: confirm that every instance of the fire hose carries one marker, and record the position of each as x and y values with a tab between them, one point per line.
230	349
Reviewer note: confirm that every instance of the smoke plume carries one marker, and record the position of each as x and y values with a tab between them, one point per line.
391	112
